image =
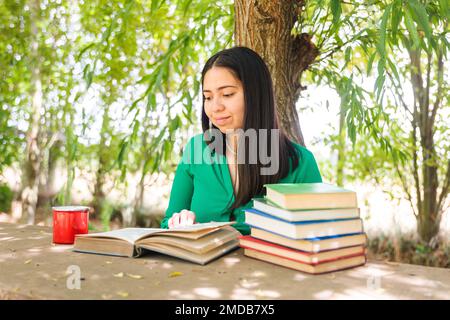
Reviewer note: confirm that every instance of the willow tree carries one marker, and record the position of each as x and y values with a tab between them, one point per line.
403	48
339	42
133	51
12	91
32	163
411	55
35	88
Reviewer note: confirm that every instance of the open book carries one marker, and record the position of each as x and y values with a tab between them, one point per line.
199	243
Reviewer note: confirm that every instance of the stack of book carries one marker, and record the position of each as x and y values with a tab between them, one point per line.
310	227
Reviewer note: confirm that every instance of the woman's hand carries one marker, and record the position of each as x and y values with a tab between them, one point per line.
183	218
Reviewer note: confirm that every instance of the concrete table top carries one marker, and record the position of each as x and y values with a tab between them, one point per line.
31	267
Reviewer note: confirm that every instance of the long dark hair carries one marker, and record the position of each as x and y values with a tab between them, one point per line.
247	66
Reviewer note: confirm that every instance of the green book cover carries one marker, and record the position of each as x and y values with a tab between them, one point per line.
306	188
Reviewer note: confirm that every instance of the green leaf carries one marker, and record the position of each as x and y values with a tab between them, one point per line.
123	149
155	142
167	149
379	82
134	104
444	8
351	131
336	10
382	33
188	107
151	101
394	70
396	18
421	16
88	75
156	162
370	62
107	33
155	5
84	50
186	6
347	55
412	29
135	130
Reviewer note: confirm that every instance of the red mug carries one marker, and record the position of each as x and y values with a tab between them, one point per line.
69	221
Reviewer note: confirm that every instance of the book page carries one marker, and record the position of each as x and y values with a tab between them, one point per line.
200	226
131	235
199	245
128	234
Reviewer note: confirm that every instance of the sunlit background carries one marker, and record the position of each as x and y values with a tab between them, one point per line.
114	86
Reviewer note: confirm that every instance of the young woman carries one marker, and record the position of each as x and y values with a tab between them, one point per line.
216	179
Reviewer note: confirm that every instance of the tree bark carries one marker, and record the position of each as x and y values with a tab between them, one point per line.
341	149
428	218
47	189
32	164
99	193
265	27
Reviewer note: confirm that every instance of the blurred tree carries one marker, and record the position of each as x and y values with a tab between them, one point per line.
411	60
33	153
139	62
348	39
409	43
12	68
135	58
36	92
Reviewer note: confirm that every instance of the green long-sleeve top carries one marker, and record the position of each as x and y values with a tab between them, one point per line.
205	187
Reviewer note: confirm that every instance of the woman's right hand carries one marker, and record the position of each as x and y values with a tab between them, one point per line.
181	219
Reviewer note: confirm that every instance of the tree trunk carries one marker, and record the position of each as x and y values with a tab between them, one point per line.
47	190
140	188
429	221
428	218
265	27
30	178
341	149
99	194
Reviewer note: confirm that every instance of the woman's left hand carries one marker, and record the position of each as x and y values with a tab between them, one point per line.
184	218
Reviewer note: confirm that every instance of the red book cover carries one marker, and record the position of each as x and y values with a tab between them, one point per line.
308	254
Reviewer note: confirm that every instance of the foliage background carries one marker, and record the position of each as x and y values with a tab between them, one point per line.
119	82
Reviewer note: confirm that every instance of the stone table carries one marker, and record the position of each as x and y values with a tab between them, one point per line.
31	267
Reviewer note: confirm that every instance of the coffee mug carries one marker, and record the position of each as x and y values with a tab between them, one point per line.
69	221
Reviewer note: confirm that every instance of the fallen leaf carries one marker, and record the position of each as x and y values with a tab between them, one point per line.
28	261
175	274
118	275
123	294
134	276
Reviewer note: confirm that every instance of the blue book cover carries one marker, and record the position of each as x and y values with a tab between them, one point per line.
261	213
310	239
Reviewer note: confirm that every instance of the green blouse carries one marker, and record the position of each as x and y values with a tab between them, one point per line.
205	187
